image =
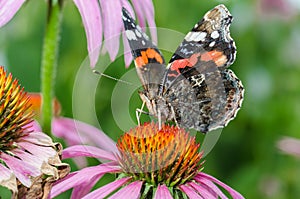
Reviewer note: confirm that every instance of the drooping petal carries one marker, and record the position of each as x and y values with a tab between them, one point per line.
8	179
162	192
202	177
107	189
8	8
92	21
131	191
87	151
21	169
190	192
80	191
76	132
149	14
112	23
33	127
210	186
203	190
39	138
84	175
137	4
231	191
145	11
128	7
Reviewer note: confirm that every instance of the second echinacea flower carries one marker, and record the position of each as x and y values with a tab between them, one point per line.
151	163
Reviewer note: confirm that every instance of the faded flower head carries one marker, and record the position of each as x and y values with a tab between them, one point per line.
25	155
151	163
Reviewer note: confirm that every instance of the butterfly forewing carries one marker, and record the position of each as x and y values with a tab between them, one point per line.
149	62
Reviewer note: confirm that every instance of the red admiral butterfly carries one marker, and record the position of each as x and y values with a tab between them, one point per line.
196	90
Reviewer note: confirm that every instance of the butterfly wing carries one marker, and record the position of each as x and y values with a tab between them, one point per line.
149	62
203	93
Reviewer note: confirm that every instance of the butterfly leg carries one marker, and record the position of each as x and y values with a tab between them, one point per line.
173	115
139	112
159	119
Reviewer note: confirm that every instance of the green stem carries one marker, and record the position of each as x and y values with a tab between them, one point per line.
49	57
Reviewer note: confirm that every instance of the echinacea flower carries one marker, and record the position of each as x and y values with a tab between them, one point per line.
151	163
25	155
102	19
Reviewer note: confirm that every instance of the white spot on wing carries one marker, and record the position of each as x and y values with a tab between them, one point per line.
215	34
130	35
138	34
212	44
195	36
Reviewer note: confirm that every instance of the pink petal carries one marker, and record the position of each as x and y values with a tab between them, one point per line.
162	192
87	151
137	4
21	169
33	126
149	14
128	7
91	17
107	189
8	8
231	191
81	177
112	21
210	186
204	191
202	177
42	152
8	179
190	192
83	189
76	132
131	191
38	138
145	9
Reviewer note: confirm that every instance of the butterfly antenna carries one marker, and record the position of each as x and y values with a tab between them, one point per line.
110	77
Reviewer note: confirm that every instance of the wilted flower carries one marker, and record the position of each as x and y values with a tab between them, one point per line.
102	19
151	163
25	155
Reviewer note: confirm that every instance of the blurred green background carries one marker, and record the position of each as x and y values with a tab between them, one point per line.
267	35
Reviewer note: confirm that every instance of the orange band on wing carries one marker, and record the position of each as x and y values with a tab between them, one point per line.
146	55
216	56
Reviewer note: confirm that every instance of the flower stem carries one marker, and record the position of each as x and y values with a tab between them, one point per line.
49	58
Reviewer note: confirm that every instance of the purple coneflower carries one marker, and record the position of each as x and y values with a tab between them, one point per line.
151	163
25	155
102	19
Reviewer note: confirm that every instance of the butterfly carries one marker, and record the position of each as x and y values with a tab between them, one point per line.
195	89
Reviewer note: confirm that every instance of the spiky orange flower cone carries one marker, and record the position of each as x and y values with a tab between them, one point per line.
14	105
169	155
26	155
